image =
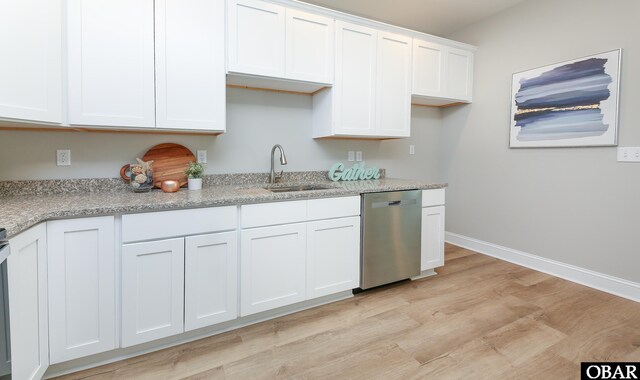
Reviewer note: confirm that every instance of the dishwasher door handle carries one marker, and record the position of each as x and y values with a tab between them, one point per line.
405	202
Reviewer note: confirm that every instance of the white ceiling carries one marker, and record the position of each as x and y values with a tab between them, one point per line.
438	17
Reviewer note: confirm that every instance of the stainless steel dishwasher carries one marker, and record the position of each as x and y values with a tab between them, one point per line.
391	226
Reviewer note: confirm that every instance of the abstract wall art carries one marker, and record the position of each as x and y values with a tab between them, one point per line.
568	104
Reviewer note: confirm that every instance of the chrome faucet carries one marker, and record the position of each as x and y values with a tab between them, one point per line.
273	178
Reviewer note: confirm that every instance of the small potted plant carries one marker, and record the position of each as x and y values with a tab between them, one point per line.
194	171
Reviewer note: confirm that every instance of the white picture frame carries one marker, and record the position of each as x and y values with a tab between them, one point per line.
567	104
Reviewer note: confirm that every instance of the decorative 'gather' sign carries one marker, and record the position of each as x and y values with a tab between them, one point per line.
355	173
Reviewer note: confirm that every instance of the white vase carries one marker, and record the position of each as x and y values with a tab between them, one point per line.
195	183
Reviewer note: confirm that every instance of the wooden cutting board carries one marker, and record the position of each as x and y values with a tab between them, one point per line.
169	163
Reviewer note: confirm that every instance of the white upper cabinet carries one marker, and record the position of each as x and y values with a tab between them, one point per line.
371	97
428	68
256	38
441	74
459	74
122	75
30	70
111	62
393	86
190	64
310	44
354	90
269	40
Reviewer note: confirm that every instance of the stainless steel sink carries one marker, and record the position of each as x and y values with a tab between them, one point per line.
284	189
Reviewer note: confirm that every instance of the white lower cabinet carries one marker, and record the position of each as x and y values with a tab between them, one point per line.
62	274
82	287
333	256
152	290
272	267
298	250
211	279
432	251
27	283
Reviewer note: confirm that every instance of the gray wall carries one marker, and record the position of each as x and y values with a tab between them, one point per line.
578	205
256	120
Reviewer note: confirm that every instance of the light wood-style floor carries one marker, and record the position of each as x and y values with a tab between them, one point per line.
479	318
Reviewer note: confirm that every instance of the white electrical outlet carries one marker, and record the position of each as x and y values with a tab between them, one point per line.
358	156
202	156
351	155
629	154
63	157
412	149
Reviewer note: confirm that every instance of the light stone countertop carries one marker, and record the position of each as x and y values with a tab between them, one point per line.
19	212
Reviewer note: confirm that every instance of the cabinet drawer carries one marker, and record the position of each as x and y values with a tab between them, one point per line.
166	224
269	214
333	208
434	197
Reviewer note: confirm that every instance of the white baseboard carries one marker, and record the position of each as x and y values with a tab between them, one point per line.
613	285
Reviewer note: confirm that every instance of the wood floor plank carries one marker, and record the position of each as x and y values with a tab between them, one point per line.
324	347
453	252
479	318
212	374
523	339
546	365
464	264
382	361
472	360
604	343
438	337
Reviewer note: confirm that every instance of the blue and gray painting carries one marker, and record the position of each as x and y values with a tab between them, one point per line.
563	103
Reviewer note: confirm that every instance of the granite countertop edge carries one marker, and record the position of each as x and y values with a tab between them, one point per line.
19	213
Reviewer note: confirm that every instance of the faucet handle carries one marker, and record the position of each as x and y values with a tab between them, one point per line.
278	177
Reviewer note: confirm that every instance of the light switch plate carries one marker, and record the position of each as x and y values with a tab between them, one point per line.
412	149
351	155
358	156
629	154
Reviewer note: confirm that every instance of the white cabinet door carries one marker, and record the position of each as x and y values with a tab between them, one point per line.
111	62
211	279
272	269
354	89
5	357
152	290
393	85
30	70
428	68
82	291
441	72
432	237
333	256
190	64
27	272
256	34
309	47
459	73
